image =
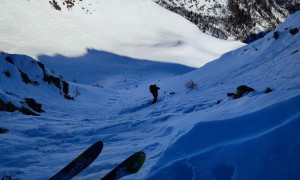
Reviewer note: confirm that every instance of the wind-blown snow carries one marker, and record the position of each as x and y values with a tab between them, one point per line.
135	28
192	134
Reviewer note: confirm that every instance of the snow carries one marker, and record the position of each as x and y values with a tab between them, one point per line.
193	134
238	146
136	28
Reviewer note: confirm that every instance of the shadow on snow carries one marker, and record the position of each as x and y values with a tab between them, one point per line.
105	67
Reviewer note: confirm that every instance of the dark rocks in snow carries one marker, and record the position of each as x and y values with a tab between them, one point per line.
29	106
9	59
172	93
276	35
52	79
68	97
27	111
69	3
243	89
11	107
294	31
8	107
57	81
25	77
240	91
34	105
7	73
232	95
66	91
65	87
268	90
55	5
60	84
3	130
41	65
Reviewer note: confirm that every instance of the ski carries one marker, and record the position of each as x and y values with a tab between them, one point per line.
79	163
129	166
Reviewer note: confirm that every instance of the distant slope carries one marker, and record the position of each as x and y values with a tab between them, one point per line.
135	28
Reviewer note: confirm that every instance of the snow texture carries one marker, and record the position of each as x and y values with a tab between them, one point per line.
135	28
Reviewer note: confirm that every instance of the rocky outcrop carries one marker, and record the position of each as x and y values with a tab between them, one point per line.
23	80
50	78
10	107
233	19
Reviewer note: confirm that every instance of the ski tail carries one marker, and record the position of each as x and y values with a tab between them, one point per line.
79	163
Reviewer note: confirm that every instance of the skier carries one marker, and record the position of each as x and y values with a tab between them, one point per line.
154	91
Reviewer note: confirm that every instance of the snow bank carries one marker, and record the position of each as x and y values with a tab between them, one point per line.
259	145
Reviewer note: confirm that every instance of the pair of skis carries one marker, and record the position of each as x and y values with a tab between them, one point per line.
130	166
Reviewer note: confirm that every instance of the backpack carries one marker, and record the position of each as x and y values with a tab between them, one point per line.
152	88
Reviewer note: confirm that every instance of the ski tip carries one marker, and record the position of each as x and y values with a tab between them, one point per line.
99	144
140	158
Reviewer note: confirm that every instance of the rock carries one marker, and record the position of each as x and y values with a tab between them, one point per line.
294	31
243	89
34	105
268	90
3	130
276	35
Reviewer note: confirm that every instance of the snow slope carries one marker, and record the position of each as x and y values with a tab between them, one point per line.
135	28
192	134
256	137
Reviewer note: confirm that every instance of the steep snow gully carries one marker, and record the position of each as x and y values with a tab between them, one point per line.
188	134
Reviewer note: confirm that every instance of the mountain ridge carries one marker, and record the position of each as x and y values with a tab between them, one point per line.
231	19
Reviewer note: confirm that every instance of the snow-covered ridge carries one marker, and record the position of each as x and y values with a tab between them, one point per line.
23	80
230	19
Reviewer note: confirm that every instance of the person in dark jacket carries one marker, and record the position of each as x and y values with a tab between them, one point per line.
154	91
